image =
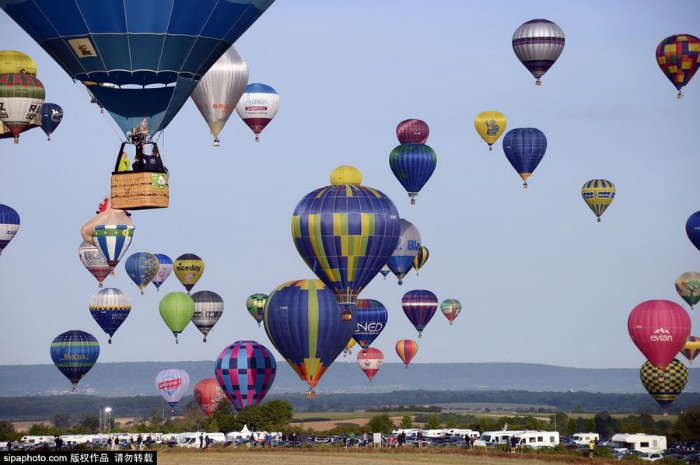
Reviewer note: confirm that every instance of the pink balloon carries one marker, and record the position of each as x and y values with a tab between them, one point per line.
659	329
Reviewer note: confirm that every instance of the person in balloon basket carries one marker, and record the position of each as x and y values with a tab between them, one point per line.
152	162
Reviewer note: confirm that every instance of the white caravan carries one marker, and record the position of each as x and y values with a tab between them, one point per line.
495	438
584	439
639	442
537	439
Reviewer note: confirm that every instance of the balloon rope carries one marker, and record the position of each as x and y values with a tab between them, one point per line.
116	129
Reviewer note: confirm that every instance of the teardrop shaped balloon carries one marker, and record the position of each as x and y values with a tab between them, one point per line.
110	307
524	148
220	89
412	131
12	61
692	229
370	320
348	347
688	287
659	329
413	165
113	240
691	348
490	125
51	117
142	267
256	306
406	349
257	107
537	44
208	307
208	394
172	384
370	361
664	386
301	320
598	195
407	248
245	370
93	260
451	308
420	258
21	97
678	57
188	269
384	271
176	309
9	225
74	353
165	267
345	233
419	306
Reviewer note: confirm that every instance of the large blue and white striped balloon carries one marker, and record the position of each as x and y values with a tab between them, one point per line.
406	250
110	307
113	240
9	225
74	353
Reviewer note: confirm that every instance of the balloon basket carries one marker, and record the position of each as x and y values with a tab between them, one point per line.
109	341
140	190
346	314
598	219
525	185
310	394
413	200
205	339
490	148
217	142
100	286
538	82
680	96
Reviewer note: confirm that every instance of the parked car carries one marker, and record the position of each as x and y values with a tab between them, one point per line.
651	456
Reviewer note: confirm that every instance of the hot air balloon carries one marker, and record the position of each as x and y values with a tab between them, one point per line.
413	164
245	370
678	57
5	133
524	148
345	233
692	229
74	353
172	384
21	96
105	214
490	125
348	347
256	306
9	225
176	309
257	106
110	307
420	258
384	271
93	260
208	307
51	117
406	349
113	240
370	320
419	306
220	89
537	44
664	386
412	131
208	394
141	267
370	361
451	308
12	61
688	287
301	320
165	267
598	195
659	329
407	248
139	60
691	348
188	269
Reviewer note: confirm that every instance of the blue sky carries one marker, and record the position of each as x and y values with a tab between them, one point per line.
540	281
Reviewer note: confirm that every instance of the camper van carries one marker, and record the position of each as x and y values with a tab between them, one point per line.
495	438
584	439
537	439
638	442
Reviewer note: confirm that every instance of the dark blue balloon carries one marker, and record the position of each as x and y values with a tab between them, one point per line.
74	353
9	225
413	164
419	306
370	320
692	228
524	148
51	117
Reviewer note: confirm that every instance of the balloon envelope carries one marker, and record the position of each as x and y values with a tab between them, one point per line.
110	307
21	97
420	258
413	164
9	225
208	394
245	370
165	267
598	195
370	319
208	307
691	348
256	306
51	117
188	269
74	353
12	61
113	240
490	125
370	361
93	260
659	329
692	229
406	349
412	131
537	44
419	306
664	386
688	287
451	308
176	309
141	267
172	384
407	248
524	148
257	106
678	57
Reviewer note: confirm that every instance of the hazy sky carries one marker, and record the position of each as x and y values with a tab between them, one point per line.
540	281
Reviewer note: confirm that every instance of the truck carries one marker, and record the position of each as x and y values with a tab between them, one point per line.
638	442
584	439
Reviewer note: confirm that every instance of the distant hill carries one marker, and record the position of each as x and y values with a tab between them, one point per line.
138	378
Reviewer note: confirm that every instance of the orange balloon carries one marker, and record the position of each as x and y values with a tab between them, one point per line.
406	350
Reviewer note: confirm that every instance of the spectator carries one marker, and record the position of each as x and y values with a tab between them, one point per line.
419	439
139	441
59	443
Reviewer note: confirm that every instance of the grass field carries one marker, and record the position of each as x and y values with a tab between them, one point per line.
362	457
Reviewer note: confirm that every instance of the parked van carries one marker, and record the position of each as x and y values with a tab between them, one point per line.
495	438
537	439
638	442
584	439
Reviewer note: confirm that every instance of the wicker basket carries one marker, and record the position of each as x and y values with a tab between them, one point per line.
140	190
